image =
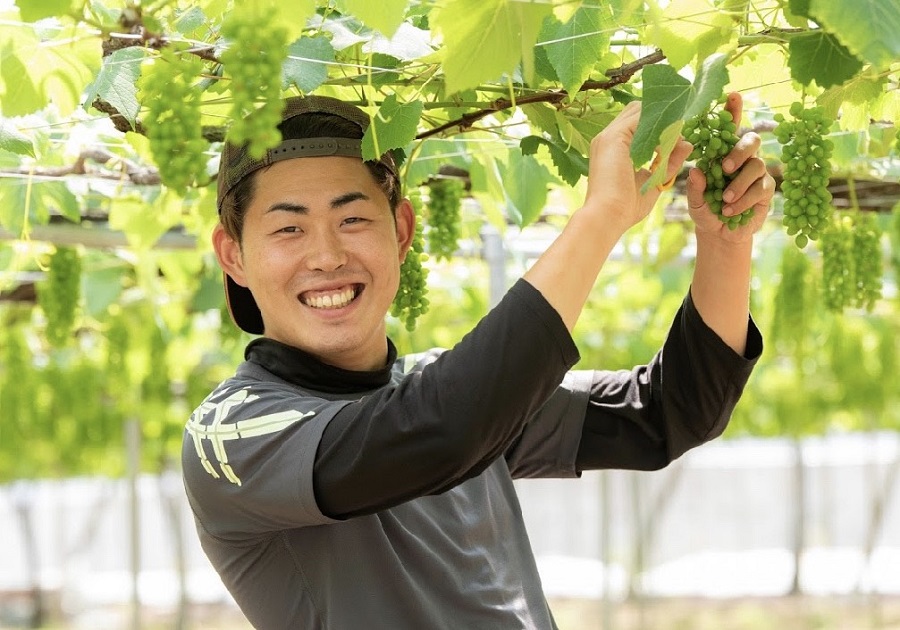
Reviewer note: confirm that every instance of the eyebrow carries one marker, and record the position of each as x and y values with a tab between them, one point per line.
337	202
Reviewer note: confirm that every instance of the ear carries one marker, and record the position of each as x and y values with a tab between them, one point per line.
228	252
405	218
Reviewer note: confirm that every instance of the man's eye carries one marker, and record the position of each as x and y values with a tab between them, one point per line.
352	220
290	229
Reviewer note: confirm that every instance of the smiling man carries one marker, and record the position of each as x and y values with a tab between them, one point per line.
336	485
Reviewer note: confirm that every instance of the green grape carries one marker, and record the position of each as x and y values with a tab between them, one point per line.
444	205
793	297
410	301
172	118
867	260
838	263
257	49
59	294
713	134
806	155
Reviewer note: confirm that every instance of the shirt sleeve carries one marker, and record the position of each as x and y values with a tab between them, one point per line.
644	418
448	421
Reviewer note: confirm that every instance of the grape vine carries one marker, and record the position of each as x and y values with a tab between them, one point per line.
59	294
444	205
257	49
172	118
713	134
410	301
806	154
851	262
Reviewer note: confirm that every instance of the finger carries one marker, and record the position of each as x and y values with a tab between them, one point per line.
757	195
752	170
735	105
696	185
745	149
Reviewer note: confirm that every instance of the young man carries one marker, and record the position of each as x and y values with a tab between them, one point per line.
335	485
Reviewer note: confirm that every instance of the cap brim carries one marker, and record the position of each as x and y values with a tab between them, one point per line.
244	311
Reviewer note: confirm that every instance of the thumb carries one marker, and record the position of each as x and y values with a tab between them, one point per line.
696	186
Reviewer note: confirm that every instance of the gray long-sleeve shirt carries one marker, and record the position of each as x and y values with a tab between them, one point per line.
341	500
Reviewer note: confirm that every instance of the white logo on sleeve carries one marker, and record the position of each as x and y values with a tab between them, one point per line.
218	431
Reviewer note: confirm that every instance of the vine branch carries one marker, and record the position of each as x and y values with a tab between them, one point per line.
617	76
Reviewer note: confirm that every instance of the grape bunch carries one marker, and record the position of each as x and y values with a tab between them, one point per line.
838	263
410	301
793	298
806	154
444	205
868	265
172	118
59	294
256	51
713	133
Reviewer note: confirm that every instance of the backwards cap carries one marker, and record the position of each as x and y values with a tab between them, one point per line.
236	163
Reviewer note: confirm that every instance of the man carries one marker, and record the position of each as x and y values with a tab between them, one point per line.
338	486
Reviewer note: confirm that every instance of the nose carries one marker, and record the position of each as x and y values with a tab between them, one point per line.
326	252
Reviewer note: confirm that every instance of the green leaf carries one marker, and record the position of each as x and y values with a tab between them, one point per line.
820	57
666	98
861	91
576	46
667	140
383	16
870	29
687	28
570	164
144	223
102	286
712	77
21	95
408	43
13	140
483	39
433	153
116	83
393	126
799	8
306	64
34	10
24	202
525	181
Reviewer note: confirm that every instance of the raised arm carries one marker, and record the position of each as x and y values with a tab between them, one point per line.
720	287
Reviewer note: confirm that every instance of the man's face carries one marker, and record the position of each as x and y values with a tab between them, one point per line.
321	254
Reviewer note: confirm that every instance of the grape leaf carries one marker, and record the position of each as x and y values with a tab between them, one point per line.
20	96
710	82
575	47
34	10
11	139
687	28
407	44
383	16
306	63
38	200
666	97
570	164
116	83
667	140
393	126
820	57
483	39
525	182
870	29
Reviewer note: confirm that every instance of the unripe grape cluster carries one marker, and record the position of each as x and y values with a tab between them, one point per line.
851	262
793	299
806	154
59	295
869	265
411	301
713	133
172	118
257	49
444	217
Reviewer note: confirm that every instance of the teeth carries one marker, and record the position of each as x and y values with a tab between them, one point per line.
331	300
